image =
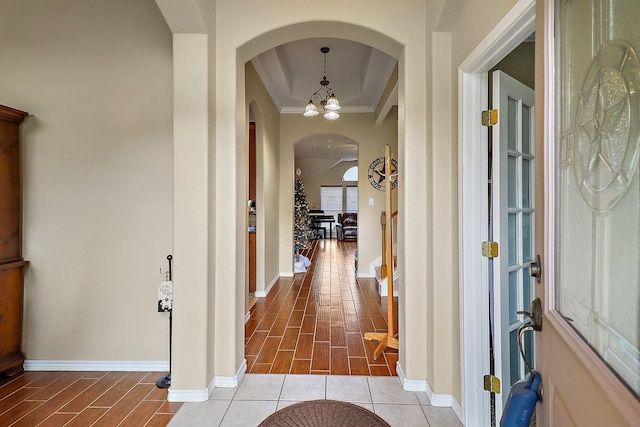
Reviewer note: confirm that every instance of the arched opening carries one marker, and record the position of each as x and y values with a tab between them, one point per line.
291	133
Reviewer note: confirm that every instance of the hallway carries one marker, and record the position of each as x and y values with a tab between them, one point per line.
314	323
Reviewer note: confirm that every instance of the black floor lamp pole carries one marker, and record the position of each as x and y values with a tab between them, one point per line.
165	380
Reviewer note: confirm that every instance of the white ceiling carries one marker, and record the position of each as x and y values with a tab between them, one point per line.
358	75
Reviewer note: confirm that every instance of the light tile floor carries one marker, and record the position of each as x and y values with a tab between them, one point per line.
258	396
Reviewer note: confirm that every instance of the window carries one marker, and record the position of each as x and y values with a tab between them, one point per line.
351	202
351	174
338	199
331	199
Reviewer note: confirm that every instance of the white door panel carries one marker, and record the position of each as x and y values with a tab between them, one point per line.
513	212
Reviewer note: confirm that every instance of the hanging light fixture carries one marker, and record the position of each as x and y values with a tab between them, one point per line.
326	98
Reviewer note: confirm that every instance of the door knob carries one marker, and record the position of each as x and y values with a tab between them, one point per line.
535	269
535	315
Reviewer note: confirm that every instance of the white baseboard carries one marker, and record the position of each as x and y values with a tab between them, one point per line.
262	294
204	394
364	275
188	395
286	274
440	400
95	365
410	385
231	382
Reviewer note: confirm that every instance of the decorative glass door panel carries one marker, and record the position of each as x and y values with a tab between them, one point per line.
598	195
513	208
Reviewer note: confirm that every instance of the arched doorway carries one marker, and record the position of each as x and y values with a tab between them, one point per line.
292	133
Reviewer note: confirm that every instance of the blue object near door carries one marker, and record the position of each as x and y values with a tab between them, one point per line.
522	402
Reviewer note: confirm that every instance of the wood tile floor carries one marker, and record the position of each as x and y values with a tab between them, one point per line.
53	399
314	323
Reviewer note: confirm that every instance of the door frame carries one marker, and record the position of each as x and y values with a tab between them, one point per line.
512	30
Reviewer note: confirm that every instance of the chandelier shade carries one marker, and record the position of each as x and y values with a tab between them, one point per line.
323	96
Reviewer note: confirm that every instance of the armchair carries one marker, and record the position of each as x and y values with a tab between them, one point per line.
347	226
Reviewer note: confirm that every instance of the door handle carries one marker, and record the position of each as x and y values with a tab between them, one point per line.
535	315
535	269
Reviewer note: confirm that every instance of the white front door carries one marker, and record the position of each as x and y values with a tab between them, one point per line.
513	208
588	350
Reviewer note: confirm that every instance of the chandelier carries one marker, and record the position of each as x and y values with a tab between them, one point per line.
325	96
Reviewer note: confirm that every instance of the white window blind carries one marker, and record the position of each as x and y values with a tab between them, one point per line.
331	199
352	199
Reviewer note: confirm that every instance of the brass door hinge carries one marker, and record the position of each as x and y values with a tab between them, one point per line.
492	383
489	117
490	249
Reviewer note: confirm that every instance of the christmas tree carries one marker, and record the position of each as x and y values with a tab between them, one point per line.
302	231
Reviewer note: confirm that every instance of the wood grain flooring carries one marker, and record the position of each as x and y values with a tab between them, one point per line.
82	399
314	323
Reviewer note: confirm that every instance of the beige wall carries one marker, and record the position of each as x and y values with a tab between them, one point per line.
267	119
462	26
97	174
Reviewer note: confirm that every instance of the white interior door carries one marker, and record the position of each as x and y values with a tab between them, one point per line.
588	350
513	209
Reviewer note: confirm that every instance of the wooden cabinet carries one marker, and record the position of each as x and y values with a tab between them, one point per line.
12	264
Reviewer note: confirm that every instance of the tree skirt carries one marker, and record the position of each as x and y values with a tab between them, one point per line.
323	413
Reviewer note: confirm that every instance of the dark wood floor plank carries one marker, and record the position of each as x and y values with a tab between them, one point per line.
290	339
159	420
296	318
261	368
151	377
55	387
320	359
300	366
119	389
87	417
355	344
124	406
282	362
93	392
19	411
255	343
266	322
141	414
169	407
358	366
280	325
269	350
379	370
56	402
157	394
304	349
9	385
339	361
57	420
18	396
47	378
338	338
